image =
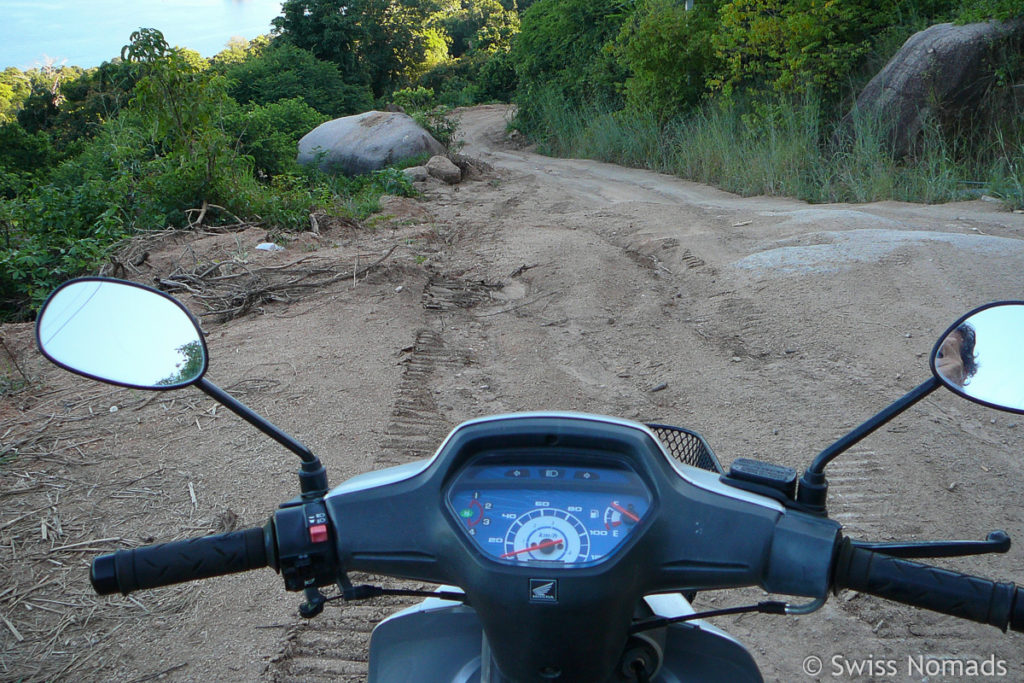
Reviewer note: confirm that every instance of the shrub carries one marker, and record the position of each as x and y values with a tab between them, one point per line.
269	133
414	99
284	71
670	55
564	47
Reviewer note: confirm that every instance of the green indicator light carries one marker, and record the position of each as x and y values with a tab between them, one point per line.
467	513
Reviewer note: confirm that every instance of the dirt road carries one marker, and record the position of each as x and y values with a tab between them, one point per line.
768	325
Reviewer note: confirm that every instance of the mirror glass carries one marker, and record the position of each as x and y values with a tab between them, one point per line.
982	356
121	333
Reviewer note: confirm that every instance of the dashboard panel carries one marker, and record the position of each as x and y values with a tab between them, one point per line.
557	511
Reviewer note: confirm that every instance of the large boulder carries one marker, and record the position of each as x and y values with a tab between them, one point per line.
365	142
940	71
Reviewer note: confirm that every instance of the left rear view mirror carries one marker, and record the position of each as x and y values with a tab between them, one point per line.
121	333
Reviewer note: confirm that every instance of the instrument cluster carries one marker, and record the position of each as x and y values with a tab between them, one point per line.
573	513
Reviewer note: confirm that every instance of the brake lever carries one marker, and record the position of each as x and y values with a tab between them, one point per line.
996	542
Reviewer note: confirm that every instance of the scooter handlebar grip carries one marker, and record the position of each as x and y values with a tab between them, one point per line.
168	563
940	590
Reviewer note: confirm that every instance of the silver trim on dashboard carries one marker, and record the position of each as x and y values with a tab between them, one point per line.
709	481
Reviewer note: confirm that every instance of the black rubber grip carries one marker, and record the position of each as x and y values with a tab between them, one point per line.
194	558
940	590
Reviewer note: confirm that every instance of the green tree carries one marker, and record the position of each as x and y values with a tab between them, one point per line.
15	87
669	53
793	46
22	155
283	71
564	49
375	42
189	367
482	25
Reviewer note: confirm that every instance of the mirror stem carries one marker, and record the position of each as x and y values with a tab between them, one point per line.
312	476
813	485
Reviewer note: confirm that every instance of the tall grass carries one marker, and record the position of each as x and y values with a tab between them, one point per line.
787	148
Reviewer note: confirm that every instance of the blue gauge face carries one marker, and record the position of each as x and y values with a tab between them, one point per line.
574	514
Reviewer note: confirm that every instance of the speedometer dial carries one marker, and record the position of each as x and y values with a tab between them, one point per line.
547	535
536	508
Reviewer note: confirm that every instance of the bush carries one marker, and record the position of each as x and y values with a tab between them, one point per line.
496	78
670	54
22	155
284	71
441	125
269	133
564	48
414	99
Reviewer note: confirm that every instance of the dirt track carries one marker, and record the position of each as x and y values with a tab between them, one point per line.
768	325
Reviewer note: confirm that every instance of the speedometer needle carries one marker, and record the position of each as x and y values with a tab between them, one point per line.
536	546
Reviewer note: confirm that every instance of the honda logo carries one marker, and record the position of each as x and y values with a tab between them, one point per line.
543	590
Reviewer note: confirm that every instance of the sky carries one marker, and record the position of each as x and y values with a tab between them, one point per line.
86	34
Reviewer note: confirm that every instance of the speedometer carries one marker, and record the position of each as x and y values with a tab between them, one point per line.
574	513
547	535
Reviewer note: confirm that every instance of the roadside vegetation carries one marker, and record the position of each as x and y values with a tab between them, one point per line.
743	94
748	95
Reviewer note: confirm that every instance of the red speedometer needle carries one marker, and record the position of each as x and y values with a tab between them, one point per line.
536	546
627	513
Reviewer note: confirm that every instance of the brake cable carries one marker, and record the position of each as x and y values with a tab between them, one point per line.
366	591
766	607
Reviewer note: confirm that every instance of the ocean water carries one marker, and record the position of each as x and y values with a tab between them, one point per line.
87	33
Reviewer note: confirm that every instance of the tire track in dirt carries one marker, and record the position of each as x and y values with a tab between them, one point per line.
334	646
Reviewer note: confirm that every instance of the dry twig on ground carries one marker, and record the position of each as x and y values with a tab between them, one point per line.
232	288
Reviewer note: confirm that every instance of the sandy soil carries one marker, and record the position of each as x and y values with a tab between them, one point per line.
769	325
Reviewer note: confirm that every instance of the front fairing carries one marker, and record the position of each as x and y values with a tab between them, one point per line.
698	534
444	641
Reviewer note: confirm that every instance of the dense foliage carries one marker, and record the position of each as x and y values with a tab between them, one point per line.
561	51
749	94
150	138
743	93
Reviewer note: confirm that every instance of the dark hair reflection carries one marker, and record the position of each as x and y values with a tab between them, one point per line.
956	360
967	355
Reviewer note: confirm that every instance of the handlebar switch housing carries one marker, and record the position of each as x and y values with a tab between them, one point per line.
762	477
306	555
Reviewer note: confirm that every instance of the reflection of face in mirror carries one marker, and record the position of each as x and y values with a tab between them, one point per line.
981	357
955	359
121	333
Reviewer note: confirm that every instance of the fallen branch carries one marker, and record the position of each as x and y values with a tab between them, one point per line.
232	288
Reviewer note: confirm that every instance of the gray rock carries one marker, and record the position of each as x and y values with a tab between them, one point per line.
444	169
416	174
365	142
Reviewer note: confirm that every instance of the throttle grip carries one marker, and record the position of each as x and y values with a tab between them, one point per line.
195	558
940	590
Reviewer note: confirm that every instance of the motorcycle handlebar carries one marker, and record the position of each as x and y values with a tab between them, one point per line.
940	590
195	558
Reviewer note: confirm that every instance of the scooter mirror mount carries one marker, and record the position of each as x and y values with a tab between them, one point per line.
134	336
121	333
980	356
956	362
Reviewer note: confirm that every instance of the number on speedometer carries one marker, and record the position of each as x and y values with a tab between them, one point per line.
547	535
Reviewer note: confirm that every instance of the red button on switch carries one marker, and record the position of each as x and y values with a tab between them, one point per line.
318	533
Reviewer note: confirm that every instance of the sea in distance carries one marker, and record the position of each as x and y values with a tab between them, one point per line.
34	33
